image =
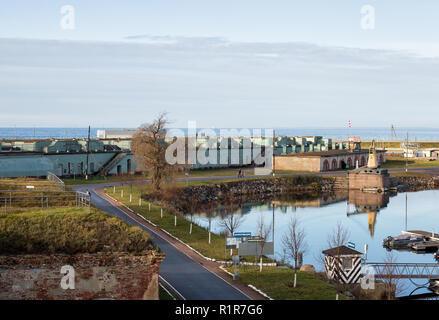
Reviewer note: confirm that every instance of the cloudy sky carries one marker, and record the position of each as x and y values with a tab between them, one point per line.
222	63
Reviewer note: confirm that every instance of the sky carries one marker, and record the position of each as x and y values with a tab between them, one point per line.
221	63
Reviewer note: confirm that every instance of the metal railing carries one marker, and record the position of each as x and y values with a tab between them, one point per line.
20	201
405	270
54	178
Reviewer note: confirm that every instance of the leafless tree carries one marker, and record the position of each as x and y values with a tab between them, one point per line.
391	279
264	232
294	240
231	223
338	237
149	149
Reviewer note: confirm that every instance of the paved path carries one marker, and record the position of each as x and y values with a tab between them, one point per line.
187	276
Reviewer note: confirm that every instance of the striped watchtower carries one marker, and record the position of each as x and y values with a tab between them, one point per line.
343	264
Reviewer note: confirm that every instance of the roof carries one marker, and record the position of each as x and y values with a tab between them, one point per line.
341	250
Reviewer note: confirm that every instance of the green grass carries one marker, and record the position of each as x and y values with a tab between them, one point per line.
412	163
278	284
199	239
422	144
127	178
69	231
100	179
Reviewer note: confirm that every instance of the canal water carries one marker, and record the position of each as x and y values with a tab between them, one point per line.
369	218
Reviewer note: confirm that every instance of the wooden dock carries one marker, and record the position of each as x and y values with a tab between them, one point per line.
431	240
430	236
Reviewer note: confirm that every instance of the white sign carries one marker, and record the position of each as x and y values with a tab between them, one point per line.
30	187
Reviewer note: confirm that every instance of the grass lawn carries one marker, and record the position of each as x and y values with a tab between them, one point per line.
396	144
412	163
278	284
199	239
127	178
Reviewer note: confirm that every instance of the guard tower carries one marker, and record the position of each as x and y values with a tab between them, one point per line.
343	264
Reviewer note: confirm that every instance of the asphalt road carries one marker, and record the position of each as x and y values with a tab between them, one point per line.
189	278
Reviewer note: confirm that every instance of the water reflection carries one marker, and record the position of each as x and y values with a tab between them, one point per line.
369	217
367	203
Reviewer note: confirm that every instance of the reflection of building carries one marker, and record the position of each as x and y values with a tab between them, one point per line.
320	201
366	202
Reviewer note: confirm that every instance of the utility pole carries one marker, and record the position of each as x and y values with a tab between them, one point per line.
88	148
407	153
273	164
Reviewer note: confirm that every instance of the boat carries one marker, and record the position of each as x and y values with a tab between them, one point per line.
402	241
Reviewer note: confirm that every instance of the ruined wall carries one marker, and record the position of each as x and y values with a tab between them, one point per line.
96	276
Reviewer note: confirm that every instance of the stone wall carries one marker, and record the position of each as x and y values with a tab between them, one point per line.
200	197
418	183
96	276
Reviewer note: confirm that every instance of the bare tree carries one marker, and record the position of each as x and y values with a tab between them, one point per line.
391	279
338	237
294	240
231	223
264	232
149	149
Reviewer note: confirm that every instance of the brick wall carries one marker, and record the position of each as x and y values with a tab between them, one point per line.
96	276
297	163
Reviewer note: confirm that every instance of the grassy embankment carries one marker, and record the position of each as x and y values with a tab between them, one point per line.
69	231
278	284
199	237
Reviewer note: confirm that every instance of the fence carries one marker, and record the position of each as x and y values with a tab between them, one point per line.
18	201
54	178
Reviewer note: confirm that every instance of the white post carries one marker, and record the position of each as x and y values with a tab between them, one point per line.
149	206
336	296
140	202
190	229
175	220
161	212
121	193
131	197
260	266
295	279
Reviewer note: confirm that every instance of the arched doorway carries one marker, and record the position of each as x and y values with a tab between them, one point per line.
350	163
342	164
334	164
363	161
326	165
